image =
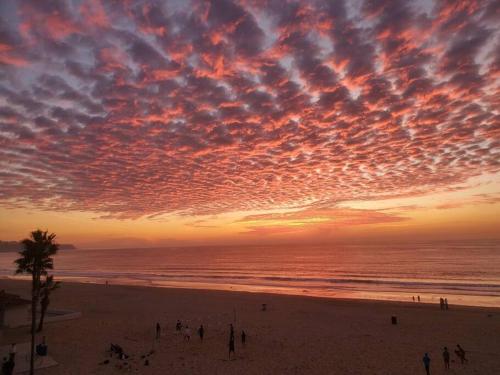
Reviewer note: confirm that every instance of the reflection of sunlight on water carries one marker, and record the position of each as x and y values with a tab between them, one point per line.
468	275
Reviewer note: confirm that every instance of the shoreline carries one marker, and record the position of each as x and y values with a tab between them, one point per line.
231	290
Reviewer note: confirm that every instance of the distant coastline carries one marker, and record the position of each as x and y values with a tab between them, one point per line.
12	246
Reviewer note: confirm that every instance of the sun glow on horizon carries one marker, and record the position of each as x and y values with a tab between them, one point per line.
468	212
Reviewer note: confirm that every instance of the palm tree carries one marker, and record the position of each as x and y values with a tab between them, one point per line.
46	288
36	259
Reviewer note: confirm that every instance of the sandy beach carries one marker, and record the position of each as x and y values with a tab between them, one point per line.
296	335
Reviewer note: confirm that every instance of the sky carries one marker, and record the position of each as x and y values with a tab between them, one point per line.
155	123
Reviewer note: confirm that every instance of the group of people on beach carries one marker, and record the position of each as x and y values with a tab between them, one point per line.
459	351
443	303
231	340
179	327
187	331
125	360
117	351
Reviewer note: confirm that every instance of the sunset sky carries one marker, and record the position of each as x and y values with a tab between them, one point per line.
141	123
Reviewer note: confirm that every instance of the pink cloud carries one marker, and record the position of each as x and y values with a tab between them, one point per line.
132	110
94	13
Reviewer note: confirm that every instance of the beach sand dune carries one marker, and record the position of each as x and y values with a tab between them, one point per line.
296	335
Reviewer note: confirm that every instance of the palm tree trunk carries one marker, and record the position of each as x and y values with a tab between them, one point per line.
34	304
42	315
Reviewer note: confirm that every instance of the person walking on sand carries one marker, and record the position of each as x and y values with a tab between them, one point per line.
158	331
441	303
446	358
427	363
460	352
446	303
187	333
418	298
231	343
201	332
413	297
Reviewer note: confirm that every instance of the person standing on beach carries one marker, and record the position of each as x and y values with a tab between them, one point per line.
427	363
201	332
13	351
8	366
446	358
441	303
158	331
243	337
187	333
5	366
413	297
418	298
446	303
231	342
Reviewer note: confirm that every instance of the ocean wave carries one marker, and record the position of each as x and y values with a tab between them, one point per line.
325	282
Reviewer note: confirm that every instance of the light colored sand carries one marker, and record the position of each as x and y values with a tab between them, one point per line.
297	335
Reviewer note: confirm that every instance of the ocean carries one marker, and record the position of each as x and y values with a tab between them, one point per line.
466	273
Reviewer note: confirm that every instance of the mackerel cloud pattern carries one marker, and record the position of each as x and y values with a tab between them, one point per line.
134	108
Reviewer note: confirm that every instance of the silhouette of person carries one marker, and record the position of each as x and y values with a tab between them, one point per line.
427	363
231	332
231	340
13	351
201	332
446	358
158	330
8	366
441	303
187	333
418	298
243	337
178	325
460	352
413	297
446	303
231	345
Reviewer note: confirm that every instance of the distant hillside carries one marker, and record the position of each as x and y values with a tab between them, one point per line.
6	246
